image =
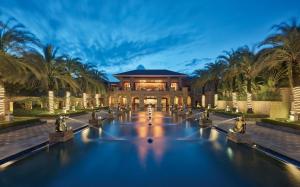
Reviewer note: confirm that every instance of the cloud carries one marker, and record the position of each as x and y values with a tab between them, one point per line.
119	35
128	51
197	61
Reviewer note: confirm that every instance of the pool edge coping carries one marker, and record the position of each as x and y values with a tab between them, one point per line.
267	151
41	146
30	150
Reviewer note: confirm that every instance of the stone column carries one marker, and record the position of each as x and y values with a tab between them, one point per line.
234	100
171	100
180	84
141	102
159	106
97	100
129	101
216	98
68	94
51	102
203	101
295	112
84	100
169	84
249	103
184	100
131	84
2	101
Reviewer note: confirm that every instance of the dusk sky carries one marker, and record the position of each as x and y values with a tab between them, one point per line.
119	35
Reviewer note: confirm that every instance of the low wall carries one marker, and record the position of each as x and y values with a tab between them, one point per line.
275	109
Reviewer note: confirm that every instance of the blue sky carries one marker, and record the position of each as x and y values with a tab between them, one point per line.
119	35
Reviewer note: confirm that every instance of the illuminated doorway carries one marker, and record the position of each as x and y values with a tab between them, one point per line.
151	101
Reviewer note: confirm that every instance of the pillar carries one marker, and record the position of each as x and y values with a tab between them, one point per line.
203	101
129	101
97	100
184	100
84	100
216	98
68	94
141	102
159	106
234	100
171	100
2	101
295	112
51	102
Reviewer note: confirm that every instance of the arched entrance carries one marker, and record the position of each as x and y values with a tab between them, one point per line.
150	101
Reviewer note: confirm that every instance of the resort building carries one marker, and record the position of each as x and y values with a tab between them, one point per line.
160	88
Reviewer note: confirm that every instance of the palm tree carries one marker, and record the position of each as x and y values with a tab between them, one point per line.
285	50
89	79
248	67
14	40
231	73
53	72
200	81
216	71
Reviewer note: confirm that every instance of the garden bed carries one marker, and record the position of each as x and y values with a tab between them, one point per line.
45	113
233	114
19	122
281	122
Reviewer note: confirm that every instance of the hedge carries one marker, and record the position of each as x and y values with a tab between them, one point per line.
293	125
18	122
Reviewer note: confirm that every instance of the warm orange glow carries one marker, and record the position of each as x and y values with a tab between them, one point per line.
174	86
142	131
158	131
150	101
148	86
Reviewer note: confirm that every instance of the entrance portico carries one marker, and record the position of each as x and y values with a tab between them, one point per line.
160	88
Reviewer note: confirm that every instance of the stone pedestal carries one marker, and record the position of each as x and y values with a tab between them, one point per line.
61	136
9	117
93	122
239	138
205	122
294	116
181	113
110	116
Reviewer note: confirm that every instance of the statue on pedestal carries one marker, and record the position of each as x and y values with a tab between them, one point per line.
62	132
205	115
240	125
204	119
238	133
93	115
60	124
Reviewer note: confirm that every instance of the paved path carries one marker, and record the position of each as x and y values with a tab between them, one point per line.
285	143
19	140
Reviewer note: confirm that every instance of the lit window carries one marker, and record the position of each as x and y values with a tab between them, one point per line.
174	86
126	85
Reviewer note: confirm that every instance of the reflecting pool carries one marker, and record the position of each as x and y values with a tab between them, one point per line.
120	154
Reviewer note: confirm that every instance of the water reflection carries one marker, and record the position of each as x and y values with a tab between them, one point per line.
204	154
294	172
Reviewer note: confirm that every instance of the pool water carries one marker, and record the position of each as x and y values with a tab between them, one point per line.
120	154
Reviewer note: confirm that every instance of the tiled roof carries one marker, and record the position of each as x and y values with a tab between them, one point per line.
150	72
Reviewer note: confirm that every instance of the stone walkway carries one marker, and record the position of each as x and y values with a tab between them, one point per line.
285	143
19	140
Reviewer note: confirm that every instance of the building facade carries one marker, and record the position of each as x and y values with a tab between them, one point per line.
160	88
